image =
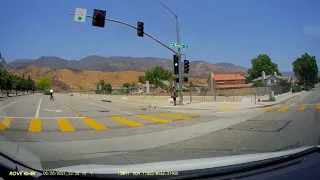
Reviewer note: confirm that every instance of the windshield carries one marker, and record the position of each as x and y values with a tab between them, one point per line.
123	82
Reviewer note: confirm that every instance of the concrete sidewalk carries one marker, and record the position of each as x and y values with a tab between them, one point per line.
162	102
229	106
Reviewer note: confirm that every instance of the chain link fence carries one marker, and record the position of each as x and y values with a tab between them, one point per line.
248	94
198	93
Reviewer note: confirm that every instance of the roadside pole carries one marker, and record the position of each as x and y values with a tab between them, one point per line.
180	62
190	91
179	52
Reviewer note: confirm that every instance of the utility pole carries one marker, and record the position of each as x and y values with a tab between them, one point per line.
179	52
180	62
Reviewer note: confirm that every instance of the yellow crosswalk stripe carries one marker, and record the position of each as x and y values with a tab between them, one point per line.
318	106
35	125
301	108
153	119
5	123
173	116
284	108
65	126
126	121
94	124
187	114
267	109
227	109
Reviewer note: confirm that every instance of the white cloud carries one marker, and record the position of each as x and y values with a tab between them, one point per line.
312	30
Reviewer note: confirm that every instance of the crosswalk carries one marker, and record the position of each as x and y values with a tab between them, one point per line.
70	125
292	108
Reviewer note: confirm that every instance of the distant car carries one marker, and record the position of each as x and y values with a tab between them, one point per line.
71	94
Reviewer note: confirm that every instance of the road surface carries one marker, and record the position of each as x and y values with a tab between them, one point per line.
77	130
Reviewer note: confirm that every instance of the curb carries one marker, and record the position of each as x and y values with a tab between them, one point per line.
186	108
273	104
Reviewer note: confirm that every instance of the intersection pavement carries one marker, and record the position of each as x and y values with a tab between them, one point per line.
73	130
33	115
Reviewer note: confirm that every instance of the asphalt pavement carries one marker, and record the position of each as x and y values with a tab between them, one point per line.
74	130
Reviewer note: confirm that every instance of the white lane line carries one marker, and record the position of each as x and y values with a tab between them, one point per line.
110	108
38	110
9	104
43	117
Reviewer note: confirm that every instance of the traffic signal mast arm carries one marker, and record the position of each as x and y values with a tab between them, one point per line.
127	24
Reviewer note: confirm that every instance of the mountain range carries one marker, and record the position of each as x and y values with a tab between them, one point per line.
199	69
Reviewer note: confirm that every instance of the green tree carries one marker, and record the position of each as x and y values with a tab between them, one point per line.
101	84
7	81
257	84
44	83
15	84
306	70
142	79
261	63
127	86
2	73
23	83
2	80
104	86
157	75
2	62
108	87
29	82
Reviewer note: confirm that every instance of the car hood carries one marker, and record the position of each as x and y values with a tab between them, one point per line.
182	165
22	155
14	151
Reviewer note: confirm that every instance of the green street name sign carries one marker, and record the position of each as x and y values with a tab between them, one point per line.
179	45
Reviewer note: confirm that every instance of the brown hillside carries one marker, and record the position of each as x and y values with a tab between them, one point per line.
74	78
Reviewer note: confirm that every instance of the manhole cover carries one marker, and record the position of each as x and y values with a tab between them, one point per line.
103	111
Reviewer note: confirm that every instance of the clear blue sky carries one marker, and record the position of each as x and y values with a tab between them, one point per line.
216	30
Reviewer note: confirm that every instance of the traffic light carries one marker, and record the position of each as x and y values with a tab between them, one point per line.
99	17
186	66
177	80
185	79
140	29
176	64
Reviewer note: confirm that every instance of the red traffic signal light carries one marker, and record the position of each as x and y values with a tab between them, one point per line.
99	17
140	29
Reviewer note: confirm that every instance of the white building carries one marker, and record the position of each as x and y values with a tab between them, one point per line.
269	80
146	88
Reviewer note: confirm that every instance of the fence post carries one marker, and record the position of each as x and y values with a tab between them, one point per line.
233	94
255	97
215	94
190	92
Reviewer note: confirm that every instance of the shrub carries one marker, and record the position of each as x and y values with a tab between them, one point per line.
46	92
221	94
272	99
296	88
115	93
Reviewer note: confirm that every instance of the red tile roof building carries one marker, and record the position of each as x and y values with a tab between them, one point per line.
226	81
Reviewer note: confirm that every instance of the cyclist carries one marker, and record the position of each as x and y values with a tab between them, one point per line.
51	93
